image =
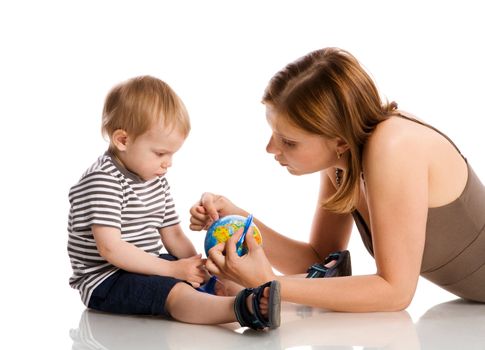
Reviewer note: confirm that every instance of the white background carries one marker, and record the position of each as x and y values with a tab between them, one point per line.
59	59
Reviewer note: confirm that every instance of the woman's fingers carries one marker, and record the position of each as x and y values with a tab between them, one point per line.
196	223
231	244
212	268
199	219
250	270
250	240
198	212
216	255
204	212
208	202
216	260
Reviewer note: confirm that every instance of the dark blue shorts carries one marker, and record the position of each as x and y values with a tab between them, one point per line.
134	294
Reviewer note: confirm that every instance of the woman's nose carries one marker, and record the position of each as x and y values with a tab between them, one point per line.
270	147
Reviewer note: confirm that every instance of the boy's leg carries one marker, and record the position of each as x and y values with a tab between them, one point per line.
227	288
130	293
133	294
186	304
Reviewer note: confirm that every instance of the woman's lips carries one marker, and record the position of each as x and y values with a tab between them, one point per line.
281	163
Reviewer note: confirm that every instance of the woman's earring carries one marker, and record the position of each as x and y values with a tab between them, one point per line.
338	176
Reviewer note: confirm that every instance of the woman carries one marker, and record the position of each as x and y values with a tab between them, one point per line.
416	201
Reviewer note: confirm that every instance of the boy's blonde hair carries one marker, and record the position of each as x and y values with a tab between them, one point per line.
138	103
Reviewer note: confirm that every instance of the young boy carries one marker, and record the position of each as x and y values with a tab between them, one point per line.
121	208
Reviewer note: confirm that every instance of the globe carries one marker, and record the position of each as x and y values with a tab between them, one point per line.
225	227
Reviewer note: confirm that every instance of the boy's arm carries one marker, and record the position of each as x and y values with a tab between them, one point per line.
130	258
176	242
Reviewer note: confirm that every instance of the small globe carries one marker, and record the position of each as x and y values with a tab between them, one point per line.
225	227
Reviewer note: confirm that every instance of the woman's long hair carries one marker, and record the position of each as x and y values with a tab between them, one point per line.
328	93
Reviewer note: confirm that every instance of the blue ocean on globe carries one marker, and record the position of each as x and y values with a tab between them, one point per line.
225	227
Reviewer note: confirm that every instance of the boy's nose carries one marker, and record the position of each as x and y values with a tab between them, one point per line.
166	164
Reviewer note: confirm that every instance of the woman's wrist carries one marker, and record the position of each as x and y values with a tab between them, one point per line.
229	208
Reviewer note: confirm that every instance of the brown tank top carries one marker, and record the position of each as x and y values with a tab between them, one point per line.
454	250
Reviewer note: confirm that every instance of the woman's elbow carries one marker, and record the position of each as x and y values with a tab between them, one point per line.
400	305
395	296
399	301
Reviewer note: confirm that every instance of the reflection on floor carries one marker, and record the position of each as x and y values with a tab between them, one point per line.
454	325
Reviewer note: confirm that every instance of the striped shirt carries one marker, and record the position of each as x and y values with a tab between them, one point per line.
109	195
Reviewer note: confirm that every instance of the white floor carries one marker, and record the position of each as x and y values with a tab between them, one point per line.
450	325
435	320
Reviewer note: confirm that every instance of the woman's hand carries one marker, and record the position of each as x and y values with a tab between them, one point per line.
249	270
209	208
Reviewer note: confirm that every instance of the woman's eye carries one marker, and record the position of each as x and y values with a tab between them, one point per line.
159	154
288	143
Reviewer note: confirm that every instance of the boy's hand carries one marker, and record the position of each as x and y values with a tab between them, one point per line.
190	270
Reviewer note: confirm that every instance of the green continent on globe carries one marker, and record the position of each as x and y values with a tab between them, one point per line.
225	227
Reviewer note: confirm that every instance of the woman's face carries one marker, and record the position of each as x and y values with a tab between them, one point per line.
298	150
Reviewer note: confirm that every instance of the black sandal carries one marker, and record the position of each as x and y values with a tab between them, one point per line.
342	266
255	319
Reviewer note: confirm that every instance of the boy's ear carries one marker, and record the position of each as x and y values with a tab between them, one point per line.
119	139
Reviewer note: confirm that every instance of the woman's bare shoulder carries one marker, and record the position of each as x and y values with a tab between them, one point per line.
397	134
402	144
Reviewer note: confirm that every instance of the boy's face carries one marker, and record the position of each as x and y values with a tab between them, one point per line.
150	154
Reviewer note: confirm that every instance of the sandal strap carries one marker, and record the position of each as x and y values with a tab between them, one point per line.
342	266
243	315
257	294
316	271
254	319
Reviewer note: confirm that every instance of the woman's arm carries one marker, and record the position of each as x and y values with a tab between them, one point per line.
396	174
397	185
286	255
330	232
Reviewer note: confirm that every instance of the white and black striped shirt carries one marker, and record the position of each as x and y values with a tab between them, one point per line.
108	194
